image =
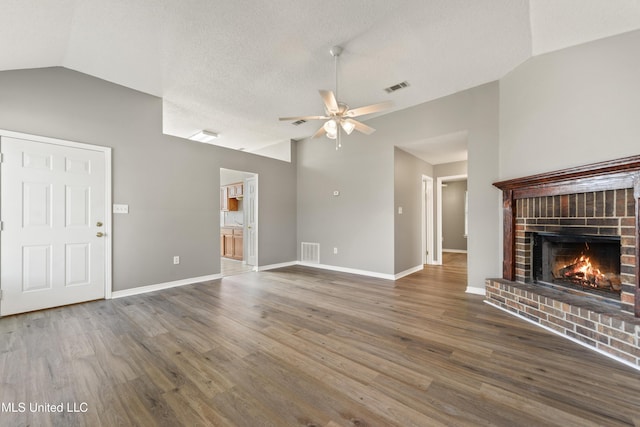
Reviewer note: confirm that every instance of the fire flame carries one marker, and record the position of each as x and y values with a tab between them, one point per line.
581	268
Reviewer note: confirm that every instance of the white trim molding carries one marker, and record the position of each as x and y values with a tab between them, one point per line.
160	286
344	269
426	220
274	266
476	291
349	270
408	272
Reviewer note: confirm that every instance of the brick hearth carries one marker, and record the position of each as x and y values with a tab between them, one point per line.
601	326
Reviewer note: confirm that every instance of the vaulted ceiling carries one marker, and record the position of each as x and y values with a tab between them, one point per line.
234	67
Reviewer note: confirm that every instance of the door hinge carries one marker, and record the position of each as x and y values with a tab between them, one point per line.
1	157
1	225
0	294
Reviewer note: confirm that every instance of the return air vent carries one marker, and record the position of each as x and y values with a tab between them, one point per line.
396	87
299	122
310	253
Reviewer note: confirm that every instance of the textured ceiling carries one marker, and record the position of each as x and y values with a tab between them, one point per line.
234	67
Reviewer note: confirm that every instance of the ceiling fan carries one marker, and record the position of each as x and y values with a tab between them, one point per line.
338	114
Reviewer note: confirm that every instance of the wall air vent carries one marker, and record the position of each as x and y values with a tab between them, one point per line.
396	87
299	122
310	253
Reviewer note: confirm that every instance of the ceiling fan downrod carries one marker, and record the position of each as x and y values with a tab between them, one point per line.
335	51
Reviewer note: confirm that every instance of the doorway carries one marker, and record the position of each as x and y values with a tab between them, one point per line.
56	228
451	219
238	222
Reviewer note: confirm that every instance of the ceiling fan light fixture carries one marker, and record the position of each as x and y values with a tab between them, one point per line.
331	127
203	136
347	126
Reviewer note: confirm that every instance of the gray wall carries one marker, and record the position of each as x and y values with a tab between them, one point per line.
171	184
362	219
408	171
453	196
359	222
571	107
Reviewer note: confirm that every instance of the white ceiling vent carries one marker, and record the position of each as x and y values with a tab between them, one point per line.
396	87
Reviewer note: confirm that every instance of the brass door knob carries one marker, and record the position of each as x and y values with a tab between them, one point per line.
99	234
98	224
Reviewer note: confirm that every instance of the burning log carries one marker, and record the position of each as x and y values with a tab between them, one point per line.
614	281
578	268
582	273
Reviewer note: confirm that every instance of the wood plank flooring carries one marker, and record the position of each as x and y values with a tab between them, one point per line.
304	347
231	267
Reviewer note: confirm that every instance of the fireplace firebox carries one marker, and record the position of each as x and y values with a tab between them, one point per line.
589	264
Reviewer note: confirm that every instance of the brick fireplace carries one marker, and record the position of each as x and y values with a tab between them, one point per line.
589	204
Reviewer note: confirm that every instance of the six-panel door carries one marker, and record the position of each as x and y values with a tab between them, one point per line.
53	237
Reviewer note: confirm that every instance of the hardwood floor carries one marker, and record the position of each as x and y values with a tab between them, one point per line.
306	347
231	267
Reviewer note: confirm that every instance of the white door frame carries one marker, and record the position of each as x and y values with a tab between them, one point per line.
107	192
427	220
257	224
439	181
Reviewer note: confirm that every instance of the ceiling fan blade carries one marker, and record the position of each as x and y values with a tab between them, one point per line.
304	118
361	127
329	101
373	108
319	133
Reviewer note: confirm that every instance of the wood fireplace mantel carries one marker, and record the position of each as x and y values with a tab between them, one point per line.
609	175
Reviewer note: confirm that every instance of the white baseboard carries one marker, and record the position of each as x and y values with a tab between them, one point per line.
597	350
160	286
183	282
272	266
455	251
475	291
349	270
409	271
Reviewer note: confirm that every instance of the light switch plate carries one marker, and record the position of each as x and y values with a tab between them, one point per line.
121	209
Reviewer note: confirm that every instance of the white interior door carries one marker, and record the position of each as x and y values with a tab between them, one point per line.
53	215
251	220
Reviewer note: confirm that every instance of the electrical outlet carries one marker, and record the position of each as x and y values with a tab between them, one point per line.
335	251
176	259
121	209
